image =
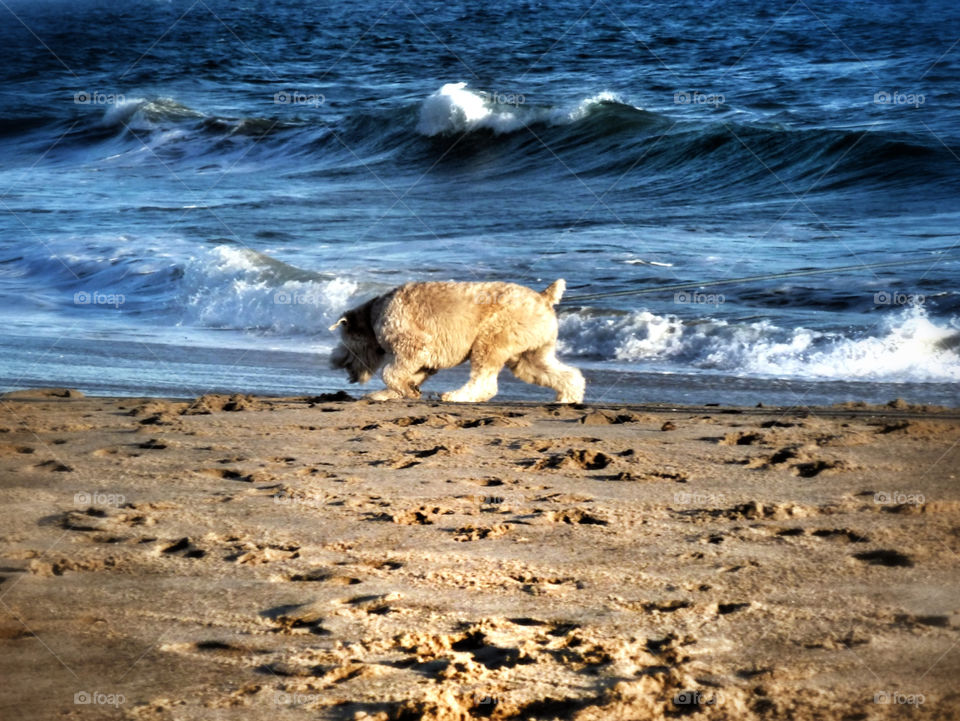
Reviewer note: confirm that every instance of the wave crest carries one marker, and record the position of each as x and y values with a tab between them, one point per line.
907	346
456	109
238	288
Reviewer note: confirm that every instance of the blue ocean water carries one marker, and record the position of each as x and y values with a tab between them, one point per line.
190	193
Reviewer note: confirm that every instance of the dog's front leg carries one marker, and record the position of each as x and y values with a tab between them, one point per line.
486	360
401	379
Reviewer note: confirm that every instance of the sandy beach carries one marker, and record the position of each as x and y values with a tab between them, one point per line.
288	558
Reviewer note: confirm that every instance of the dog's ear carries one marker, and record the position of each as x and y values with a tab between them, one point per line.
342	321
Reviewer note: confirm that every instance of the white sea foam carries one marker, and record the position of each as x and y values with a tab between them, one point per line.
454	108
587	105
144	114
121	113
641	261
237	288
905	346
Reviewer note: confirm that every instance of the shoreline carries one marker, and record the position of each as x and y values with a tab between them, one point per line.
895	408
138	368
341	559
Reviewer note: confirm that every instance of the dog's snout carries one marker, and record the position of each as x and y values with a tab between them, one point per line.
338	358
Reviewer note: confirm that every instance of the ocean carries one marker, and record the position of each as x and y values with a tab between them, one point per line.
191	192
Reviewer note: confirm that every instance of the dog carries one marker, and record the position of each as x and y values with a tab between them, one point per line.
419	328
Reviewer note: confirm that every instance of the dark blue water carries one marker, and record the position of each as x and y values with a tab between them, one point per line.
190	193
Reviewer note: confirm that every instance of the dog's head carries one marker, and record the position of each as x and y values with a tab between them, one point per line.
358	353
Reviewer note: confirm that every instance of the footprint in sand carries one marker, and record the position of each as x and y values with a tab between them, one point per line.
232	474
105	520
554	628
606	418
63	564
842	534
816	467
726	608
666	606
582	459
184	547
488	482
55	466
296	618
396	463
377	604
507	420
573	516
217	646
323	575
799	460
646	476
791	532
152	444
255	554
885	557
779	424
541	585
743	438
474	533
422	516
426	647
11	449
227	474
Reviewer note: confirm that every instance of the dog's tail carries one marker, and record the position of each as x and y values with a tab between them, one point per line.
554	293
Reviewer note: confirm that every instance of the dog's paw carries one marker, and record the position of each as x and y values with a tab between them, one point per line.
385	395
572	389
455	397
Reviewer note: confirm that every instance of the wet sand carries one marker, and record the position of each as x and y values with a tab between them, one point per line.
264	558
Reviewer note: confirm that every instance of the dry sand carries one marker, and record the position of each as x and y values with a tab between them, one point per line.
319	558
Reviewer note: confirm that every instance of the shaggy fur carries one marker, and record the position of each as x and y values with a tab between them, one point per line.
419	328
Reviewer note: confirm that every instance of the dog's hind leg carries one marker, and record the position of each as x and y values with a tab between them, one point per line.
542	368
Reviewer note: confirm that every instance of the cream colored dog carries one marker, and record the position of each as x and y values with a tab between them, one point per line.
419	328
